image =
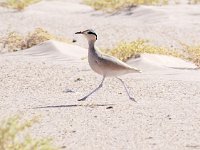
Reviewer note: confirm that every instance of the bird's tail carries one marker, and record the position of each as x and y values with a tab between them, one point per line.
135	70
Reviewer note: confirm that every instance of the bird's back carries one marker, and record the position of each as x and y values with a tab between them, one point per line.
108	65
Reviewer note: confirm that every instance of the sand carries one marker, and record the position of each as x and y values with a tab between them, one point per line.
162	25
48	79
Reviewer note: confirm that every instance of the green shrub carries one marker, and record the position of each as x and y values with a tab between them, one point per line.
18	4
125	50
12	42
115	5
15	41
194	1
194	54
13	137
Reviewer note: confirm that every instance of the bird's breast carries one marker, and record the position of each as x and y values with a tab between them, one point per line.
94	63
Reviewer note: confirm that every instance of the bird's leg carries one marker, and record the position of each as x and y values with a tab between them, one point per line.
100	85
131	98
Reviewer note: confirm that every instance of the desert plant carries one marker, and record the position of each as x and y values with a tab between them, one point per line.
115	5
19	4
194	2
40	35
125	50
194	54
15	41
12	42
13	137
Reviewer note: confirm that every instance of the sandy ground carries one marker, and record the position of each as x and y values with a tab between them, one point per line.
48	79
166	115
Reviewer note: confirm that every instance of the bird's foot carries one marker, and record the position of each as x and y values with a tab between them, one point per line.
133	99
82	99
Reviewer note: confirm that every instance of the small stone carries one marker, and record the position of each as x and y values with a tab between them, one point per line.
63	147
149	137
68	91
109	107
74	40
78	79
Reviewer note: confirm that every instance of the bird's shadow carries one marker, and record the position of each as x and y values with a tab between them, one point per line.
73	105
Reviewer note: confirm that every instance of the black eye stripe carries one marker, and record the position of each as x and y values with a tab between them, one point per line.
91	33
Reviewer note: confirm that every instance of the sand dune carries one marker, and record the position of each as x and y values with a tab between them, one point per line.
54	51
151	62
58	51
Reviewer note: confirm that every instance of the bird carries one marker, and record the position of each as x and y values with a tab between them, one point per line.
105	65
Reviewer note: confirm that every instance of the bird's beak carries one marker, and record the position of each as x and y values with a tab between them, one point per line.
79	32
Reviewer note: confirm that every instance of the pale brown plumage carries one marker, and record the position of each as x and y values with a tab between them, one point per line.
105	65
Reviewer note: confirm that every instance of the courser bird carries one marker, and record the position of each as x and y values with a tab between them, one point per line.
105	65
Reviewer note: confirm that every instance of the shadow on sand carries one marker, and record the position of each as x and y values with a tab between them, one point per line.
74	105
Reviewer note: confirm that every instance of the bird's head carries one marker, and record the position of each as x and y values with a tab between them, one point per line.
89	34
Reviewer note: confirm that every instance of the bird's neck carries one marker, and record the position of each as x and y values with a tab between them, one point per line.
91	45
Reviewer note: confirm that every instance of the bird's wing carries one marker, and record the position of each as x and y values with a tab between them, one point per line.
114	61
